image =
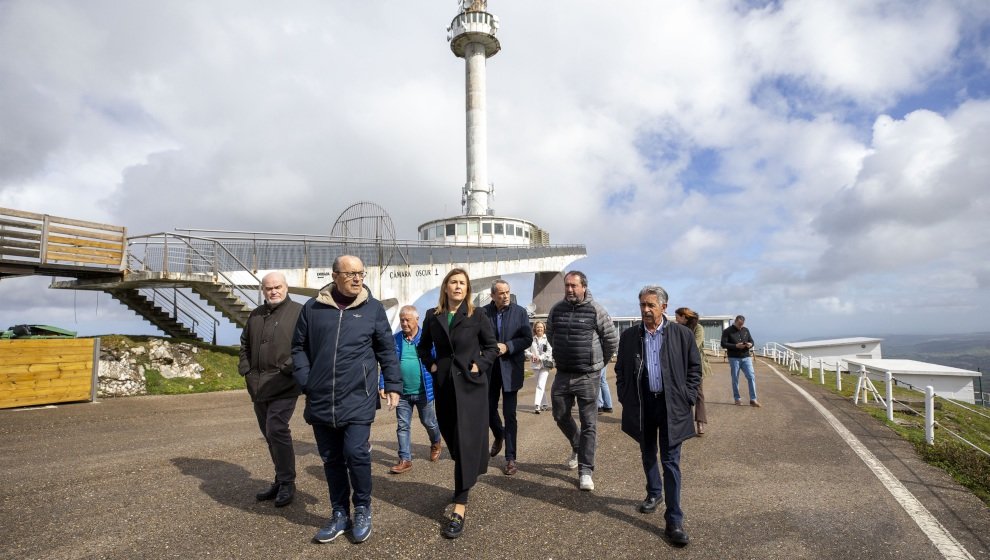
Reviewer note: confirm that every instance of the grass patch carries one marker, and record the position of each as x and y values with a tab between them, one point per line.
968	467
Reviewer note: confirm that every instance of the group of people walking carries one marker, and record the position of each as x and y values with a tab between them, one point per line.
455	367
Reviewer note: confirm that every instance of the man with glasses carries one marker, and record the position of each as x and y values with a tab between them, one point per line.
342	338
266	364
738	344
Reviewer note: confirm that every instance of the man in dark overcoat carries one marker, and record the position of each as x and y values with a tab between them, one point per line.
657	374
266	364
510	323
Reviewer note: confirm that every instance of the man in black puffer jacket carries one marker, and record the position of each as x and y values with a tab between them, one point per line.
584	340
342	338
266	364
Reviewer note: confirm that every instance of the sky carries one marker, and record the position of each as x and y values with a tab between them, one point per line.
820	166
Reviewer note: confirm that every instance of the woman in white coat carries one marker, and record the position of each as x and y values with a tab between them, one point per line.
540	355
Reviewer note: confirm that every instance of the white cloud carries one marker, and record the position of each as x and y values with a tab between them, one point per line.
734	132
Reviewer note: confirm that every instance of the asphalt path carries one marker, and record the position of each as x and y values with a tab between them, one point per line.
175	477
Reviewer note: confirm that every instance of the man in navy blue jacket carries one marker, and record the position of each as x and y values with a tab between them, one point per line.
342	338
510	322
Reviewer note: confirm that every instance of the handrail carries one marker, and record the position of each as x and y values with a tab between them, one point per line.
204	313
162	239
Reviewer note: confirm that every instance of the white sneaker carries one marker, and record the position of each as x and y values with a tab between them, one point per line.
586	483
572	463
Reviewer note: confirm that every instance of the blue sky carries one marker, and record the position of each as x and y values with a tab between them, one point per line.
816	165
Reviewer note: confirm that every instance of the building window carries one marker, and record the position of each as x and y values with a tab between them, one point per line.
519	231
450	230
527	234
425	233
499	228
473	228
438	232
510	229
486	228
462	228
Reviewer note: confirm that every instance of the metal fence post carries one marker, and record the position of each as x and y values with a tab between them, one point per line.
821	375
890	396
929	415
838	376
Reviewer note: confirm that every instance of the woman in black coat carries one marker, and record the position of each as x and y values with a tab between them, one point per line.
465	349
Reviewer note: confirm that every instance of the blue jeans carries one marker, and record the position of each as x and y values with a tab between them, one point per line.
656	438
346	463
403	416
747	366
604	396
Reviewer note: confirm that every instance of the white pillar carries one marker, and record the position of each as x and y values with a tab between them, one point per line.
477	131
890	396
929	415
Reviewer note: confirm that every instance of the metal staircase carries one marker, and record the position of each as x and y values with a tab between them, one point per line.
154	314
222	298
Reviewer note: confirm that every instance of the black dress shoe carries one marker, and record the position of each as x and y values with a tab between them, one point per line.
268	494
286	492
677	535
649	505
455	526
496	447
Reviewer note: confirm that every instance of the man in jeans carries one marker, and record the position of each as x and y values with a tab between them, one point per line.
738	343
584	340
417	390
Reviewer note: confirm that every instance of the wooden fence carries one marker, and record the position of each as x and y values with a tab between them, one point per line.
50	240
48	371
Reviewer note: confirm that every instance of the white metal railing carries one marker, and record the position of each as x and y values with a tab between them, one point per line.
795	361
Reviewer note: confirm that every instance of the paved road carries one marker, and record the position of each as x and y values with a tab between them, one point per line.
175	477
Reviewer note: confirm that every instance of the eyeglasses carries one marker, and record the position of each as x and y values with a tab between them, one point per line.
351	275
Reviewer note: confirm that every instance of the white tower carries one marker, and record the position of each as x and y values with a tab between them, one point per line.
472	37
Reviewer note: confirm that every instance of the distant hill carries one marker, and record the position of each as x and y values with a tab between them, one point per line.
967	351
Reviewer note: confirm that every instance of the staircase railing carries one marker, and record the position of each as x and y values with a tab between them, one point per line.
185	310
170	252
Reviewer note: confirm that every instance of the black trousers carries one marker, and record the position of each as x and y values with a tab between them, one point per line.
509	430
273	419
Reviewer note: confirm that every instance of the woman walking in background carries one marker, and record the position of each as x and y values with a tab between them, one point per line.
540	356
465	349
689	318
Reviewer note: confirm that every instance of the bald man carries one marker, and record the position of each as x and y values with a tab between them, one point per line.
266	364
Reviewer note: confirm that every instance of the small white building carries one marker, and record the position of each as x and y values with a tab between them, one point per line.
948	382
837	349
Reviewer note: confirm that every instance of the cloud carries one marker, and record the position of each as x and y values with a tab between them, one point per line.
752	155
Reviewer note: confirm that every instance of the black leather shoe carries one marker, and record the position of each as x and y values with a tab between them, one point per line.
286	492
455	526
677	535
649	505
268	494
496	447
